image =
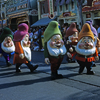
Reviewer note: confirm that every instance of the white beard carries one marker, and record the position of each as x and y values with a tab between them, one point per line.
85	51
8	49
27	51
54	51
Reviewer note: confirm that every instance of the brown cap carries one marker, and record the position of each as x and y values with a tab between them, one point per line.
86	31
71	30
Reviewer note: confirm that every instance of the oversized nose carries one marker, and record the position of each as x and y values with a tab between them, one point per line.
87	44
58	42
29	42
8	41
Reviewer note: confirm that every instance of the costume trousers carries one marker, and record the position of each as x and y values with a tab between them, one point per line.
55	63
7	58
86	64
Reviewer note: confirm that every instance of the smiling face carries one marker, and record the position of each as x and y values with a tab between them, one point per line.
85	46
56	42
8	42
7	45
86	43
26	42
56	46
74	37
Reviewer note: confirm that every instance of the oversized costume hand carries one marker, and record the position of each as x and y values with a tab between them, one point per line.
71	49
96	58
0	55
69	55
21	56
47	60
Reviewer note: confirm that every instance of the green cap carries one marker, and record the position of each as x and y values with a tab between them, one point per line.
51	30
6	32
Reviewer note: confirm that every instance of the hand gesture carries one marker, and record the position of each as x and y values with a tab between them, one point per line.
0	55
21	56
69	55
47	60
96	58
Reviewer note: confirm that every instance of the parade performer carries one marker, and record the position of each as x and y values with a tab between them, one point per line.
22	48
97	41
54	49
86	49
71	42
7	47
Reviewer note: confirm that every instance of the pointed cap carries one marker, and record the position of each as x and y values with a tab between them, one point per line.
51	30
71	30
86	31
92	28
6	32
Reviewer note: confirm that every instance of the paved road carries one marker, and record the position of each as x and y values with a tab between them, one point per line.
38	86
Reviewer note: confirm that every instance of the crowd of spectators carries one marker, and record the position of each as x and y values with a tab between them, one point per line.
36	38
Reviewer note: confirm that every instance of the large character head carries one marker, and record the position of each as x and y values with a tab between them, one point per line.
72	34
7	44
96	39
53	38
86	45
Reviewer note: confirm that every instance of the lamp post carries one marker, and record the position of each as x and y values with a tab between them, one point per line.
2	2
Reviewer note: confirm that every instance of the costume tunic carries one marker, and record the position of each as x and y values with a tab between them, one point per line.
89	58
18	51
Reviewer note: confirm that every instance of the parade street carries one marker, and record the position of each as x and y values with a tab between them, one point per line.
38	86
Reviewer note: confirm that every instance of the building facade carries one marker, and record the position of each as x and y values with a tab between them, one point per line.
91	11
3	19
19	11
64	10
68	12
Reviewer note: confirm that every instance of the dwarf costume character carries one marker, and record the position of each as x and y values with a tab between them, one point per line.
71	42
97	41
86	49
7	47
22	48
54	49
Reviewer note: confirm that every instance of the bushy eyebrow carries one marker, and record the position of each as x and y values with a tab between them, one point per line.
88	37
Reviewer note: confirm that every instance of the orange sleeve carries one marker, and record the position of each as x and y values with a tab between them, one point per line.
96	53
18	48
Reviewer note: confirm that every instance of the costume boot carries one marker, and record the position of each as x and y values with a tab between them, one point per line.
89	71
18	67
8	63
53	75
59	75
31	67
7	58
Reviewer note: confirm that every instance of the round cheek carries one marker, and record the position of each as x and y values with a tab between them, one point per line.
4	43
24	43
91	45
52	44
81	45
11	44
29	42
62	42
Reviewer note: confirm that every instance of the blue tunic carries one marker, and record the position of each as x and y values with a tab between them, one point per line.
4	53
